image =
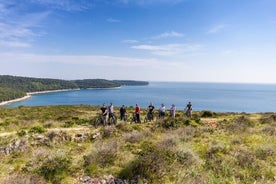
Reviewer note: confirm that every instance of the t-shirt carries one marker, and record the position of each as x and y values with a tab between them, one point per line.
122	110
151	108
137	110
103	109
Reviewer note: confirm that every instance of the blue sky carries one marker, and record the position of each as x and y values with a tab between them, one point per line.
153	40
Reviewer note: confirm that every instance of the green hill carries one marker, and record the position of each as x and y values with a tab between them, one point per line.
58	145
12	87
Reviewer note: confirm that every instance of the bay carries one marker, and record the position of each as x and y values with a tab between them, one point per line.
218	97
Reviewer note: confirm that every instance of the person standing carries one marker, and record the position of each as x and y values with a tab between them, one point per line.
162	110
150	112
123	113
172	110
110	111
104	113
189	110
137	112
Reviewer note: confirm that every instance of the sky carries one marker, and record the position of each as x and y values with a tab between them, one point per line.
152	40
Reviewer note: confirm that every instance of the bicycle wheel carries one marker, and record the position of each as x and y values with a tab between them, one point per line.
97	122
146	119
111	121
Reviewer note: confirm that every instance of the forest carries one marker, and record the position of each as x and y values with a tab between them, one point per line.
12	87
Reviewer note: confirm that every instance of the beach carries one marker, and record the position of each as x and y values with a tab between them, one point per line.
15	100
29	95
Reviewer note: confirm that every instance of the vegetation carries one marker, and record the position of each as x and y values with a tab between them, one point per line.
131	83
13	87
58	144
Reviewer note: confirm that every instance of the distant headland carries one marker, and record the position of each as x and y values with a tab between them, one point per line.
15	87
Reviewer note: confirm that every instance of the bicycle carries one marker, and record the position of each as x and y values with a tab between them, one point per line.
133	118
100	119
123	118
113	119
149	117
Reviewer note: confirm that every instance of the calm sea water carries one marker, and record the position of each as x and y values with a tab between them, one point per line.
217	97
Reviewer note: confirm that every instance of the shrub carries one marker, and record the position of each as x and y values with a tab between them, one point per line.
192	122
37	129
134	136
55	168
169	123
186	157
68	124
169	141
152	164
264	152
23	179
7	122
268	119
239	124
104	155
206	114
108	131
82	121
21	133
270	130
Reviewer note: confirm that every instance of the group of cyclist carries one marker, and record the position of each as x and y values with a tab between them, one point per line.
108	111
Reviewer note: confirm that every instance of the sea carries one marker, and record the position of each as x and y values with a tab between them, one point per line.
216	97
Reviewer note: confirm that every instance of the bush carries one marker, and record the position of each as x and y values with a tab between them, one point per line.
104	155
7	122
270	130
82	121
23	179
152	164
169	123
239	124
186	157
37	129
68	124
109	131
207	114
55	168
21	133
268	119
134	136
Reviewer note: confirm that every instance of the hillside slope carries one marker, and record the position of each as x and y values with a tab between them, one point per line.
59	144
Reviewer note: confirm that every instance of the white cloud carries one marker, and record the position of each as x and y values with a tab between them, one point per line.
169	49
65	5
17	44
216	29
168	35
112	20
149	2
130	41
16	28
99	60
77	66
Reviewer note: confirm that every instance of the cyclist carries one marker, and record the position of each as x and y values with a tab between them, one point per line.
172	110
189	110
162	111
104	113
137	113
110	112
150	112
123	113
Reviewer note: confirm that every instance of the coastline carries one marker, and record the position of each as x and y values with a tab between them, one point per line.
29	95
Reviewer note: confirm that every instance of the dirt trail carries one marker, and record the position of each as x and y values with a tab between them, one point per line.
3	134
212	122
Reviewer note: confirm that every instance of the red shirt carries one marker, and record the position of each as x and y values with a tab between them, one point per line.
137	110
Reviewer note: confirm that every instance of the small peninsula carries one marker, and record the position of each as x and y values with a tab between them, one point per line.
15	87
